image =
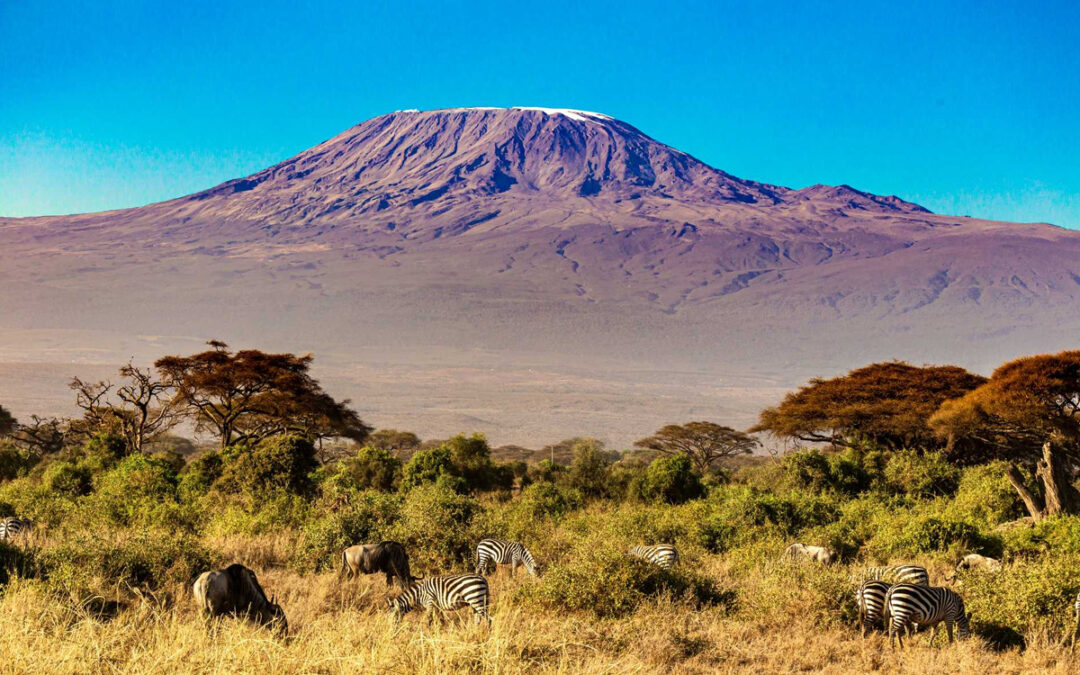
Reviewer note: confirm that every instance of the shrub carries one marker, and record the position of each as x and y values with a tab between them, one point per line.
371	469
920	475
275	463
609	583
200	474
147	559
67	479
425	466
366	519
544	500
1024	596
590	471
668	479
15	462
435	527
807	469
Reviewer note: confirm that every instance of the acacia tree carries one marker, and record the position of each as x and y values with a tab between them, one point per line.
144	412
703	442
885	403
1028	414
250	395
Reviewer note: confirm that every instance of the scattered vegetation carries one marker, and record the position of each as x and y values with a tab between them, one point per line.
124	525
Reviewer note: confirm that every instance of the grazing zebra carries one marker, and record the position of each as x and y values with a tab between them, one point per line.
871	601
662	555
908	604
899	574
493	552
444	593
12	527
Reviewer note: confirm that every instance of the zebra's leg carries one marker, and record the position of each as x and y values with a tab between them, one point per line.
513	567
933	634
948	629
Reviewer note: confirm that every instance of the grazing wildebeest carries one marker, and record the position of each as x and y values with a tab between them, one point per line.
235	591
388	557
816	553
974	561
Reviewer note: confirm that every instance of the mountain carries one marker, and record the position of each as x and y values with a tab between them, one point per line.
534	273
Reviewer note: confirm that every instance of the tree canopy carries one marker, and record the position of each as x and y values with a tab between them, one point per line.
886	403
251	395
1027	413
705	443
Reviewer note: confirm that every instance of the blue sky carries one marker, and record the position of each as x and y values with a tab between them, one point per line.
970	108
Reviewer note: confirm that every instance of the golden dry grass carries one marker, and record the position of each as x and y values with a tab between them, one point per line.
339	628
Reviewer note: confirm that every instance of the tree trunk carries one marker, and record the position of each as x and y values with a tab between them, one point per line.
1034	503
1059	494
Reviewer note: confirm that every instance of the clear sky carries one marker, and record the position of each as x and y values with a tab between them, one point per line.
970	108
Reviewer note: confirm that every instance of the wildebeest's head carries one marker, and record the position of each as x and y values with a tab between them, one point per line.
271	614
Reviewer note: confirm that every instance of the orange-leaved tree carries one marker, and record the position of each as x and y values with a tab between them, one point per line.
1028	414
250	395
885	403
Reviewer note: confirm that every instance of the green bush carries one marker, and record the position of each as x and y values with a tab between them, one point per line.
371	469
15	462
671	480
425	466
367	518
609	583
435	528
590	472
920	475
905	537
67	479
199	475
275	463
1036	593
149	559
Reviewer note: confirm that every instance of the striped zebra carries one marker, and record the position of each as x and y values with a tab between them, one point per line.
445	593
662	555
899	574
907	605
13	527
493	552
1076	633
870	599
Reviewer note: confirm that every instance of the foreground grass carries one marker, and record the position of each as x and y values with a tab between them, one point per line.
776	626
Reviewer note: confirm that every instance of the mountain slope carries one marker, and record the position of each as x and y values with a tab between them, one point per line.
617	282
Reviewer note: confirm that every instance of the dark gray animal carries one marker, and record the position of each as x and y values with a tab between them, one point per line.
235	591
388	557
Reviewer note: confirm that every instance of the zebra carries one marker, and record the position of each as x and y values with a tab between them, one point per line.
491	552
444	593
1076	632
899	574
871	601
12	527
907	604
662	555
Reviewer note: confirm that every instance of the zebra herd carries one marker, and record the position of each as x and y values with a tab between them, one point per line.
236	591
900	597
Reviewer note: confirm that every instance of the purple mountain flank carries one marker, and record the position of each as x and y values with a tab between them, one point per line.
533	273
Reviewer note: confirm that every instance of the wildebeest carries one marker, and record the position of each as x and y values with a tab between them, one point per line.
974	561
816	553
235	591
388	557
